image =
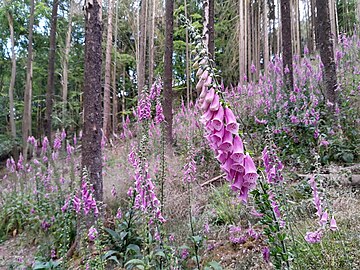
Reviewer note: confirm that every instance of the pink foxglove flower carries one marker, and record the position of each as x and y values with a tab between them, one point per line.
313	237
333	225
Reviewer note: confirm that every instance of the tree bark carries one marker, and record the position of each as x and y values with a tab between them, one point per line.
91	141
142	46
211	28
188	64
26	124
168	93
326	46
287	44
65	64
266	34
12	80
114	85
152	11
107	104
51	72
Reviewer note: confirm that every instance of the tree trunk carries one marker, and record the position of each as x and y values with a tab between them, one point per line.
241	41
266	34
313	24
13	76
326	46
152	11
65	64
51	72
114	86
142	46
211	29
91	140
26	124
287	44
168	93
107	104
187	52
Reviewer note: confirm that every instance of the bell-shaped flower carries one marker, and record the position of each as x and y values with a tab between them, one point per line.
218	121
333	225
238	167
215	104
238	150
203	93
216	138
250	170
208	81
238	182
206	117
204	106
227	142
199	72
199	85
222	156
210	96
227	165
324	218
204	75
230	119
244	193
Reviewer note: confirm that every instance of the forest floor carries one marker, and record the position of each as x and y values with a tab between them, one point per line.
343	182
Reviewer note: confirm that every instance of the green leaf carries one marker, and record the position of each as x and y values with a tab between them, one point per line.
133	247
215	265
135	262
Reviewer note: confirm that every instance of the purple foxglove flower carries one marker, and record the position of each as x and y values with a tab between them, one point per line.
266	254
206	117
45	144
203	93
313	237
63	134
333	225
215	104
210	96
184	254
222	156
204	75
238	182
204	106
238	167
324	219
227	142
227	165
230	119
244	193
250	170
218	120
92	234
216	138
208	81
199	85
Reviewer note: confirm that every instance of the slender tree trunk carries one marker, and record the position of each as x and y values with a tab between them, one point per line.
12	84
266	34
325	43
287	44
142	46
123	105
152	11
242	42
107	103
26	124
187	52
51	72
65	64
358	14
313	24
168	93
114	86
91	141
211	28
